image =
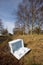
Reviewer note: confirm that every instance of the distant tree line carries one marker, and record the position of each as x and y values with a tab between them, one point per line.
2	30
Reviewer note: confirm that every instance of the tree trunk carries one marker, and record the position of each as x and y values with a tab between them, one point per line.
32	25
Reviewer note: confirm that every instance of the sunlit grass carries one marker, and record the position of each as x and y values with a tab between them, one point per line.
34	42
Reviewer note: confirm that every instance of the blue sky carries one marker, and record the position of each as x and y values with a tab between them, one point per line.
7	7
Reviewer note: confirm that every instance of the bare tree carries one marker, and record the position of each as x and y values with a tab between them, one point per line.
28	12
1	26
18	27
5	32
40	17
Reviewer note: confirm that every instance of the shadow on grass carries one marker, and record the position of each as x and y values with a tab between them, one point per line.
36	64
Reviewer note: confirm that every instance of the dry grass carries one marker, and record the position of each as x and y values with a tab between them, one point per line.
34	57
35	43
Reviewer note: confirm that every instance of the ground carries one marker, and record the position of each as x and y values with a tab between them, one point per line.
34	57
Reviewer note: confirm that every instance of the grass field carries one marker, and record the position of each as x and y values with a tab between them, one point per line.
34	57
